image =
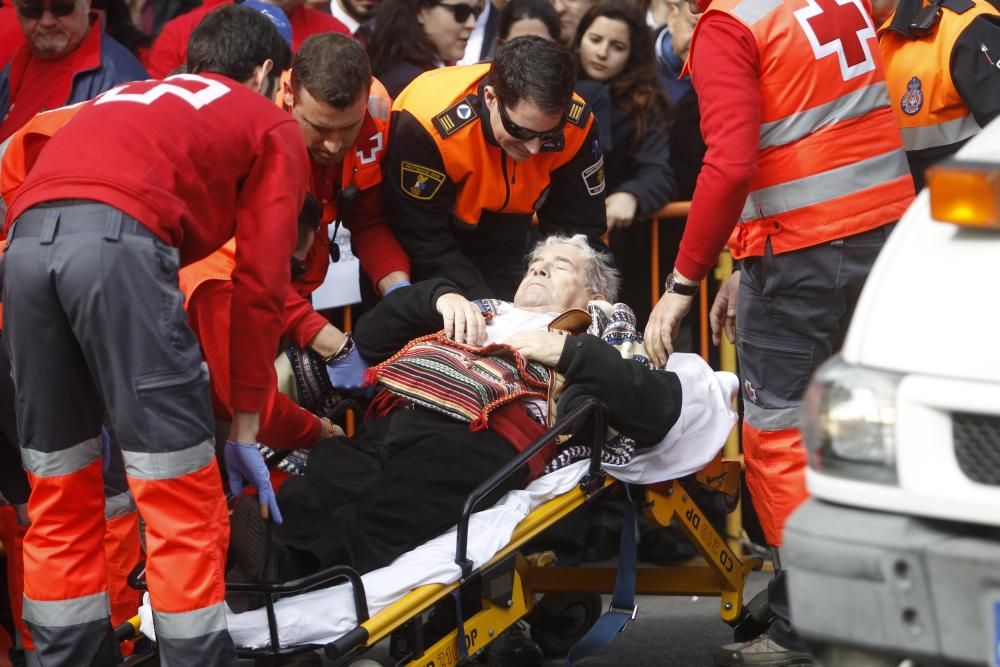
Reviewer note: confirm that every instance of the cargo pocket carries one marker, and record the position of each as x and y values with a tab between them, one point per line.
176	409
774	372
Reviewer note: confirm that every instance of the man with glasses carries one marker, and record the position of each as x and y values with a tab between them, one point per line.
65	59
475	152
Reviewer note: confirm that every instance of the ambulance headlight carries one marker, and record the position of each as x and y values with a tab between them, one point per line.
849	423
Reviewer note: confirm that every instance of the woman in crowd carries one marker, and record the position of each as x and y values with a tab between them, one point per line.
528	17
614	48
414	36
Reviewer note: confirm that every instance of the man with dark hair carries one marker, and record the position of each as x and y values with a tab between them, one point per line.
475	151
64	58
148	177
327	92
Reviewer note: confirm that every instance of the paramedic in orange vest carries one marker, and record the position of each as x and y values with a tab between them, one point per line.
475	151
340	109
943	71
805	174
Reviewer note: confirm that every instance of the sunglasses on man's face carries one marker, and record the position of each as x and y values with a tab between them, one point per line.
35	11
461	11
525	134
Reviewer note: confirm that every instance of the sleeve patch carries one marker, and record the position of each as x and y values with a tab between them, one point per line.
593	177
578	113
456	116
421	182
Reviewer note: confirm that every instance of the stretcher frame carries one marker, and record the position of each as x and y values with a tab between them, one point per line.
489	600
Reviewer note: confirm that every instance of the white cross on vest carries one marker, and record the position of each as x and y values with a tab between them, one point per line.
840	27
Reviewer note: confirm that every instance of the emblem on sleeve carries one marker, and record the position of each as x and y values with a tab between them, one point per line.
456	116
420	182
576	114
593	177
913	98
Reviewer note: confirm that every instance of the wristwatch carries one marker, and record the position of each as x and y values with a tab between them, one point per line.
672	286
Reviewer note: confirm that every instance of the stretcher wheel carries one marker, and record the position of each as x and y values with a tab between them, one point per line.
560	619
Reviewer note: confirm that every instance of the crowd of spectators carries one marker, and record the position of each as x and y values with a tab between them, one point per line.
642	104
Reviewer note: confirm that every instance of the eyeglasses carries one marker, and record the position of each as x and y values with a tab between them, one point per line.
461	11
35	11
525	134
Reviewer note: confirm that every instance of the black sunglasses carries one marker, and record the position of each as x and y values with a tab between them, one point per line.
461	11
523	133
35	11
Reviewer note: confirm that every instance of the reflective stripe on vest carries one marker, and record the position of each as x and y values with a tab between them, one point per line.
825	186
802	124
942	134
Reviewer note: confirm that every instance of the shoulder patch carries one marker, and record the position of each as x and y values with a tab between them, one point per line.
578	113
457	116
593	177
420	182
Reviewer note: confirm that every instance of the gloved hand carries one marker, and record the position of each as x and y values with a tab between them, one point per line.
105	447
347	371
401	283
246	461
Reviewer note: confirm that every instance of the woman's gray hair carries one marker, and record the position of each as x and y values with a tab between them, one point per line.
600	275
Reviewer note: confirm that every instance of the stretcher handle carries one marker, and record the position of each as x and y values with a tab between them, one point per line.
574	418
344	644
317	579
128	630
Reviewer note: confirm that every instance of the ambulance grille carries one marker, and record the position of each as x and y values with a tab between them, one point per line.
977	446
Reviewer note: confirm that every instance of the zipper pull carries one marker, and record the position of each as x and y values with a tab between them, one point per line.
986	54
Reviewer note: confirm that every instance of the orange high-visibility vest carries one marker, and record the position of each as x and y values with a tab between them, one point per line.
929	110
830	158
482	172
361	167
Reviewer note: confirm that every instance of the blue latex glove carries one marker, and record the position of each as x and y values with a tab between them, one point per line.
348	372
246	461
105	447
401	283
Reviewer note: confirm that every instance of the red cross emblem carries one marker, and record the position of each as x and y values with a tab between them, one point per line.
842	28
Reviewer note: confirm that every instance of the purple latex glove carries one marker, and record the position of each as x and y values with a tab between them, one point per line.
347	372
246	462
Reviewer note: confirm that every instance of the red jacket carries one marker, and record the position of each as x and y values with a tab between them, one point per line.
170	48
211	172
11	37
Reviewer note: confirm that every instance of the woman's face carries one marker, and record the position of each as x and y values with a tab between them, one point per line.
528	26
605	48
443	28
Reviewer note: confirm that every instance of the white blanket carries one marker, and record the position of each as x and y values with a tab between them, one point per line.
321	616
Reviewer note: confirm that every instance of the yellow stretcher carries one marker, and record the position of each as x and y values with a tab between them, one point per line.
422	626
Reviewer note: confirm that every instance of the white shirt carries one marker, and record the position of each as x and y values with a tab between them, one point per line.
341	15
474	47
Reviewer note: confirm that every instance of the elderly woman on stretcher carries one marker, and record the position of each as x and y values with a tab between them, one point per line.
454	405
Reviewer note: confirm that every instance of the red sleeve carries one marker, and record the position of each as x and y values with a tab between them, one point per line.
302	322
725	76
283	424
169	50
266	227
307	22
378	250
